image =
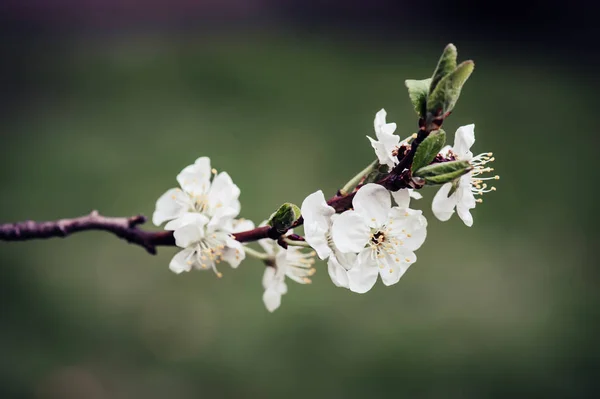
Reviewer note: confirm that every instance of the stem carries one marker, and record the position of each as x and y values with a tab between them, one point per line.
256	254
352	183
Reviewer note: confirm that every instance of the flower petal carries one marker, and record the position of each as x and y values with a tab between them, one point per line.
272	299
393	270
463	140
171	205
233	253
187	218
268	277
223	192
349	232
363	276
191	230
338	274
195	179
402	197
182	261
239	225
317	222
415	194
442	205
465	214
382	153
379	119
372	202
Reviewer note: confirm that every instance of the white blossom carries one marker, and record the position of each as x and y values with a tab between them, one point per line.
204	246
387	142
216	198
461	193
318	218
384	237
292	263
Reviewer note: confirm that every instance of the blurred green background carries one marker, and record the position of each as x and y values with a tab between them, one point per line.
507	308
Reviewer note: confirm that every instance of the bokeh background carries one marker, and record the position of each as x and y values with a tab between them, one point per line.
103	103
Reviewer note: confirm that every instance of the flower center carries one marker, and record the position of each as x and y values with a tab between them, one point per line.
384	242
200	202
209	253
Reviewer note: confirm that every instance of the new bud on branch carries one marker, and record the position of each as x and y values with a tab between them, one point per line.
366	231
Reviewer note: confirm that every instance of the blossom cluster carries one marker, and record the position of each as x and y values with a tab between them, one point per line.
374	238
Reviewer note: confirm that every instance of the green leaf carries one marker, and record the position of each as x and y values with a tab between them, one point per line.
428	149
444	172
284	217
445	66
443	98
418	90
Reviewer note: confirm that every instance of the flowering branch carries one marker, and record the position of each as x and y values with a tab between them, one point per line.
360	232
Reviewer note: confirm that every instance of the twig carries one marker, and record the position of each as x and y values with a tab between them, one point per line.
122	227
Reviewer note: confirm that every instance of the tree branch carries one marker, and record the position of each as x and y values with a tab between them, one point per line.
126	228
122	227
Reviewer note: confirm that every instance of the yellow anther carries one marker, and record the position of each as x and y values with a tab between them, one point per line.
409	235
214	171
407	259
391	271
219	274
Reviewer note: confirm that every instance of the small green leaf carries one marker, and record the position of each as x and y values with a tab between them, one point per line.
444	172
443	98
284	217
418	90
428	149
445	66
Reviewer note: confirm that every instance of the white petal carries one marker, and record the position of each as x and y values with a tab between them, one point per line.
372	202
240	225
402	197
223	191
379	119
195	179
445	150
268	277
222	218
190	232
338	274
465	214
383	155
463	140
415	194
187	218
349	232
182	261
409	227
393	270
233	253
387	129
442	205
363	276
317	222
272	299
316	237
171	205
